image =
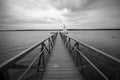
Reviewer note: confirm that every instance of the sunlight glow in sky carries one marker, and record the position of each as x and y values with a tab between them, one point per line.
55	13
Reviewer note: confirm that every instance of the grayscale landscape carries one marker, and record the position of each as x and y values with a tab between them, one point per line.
59	39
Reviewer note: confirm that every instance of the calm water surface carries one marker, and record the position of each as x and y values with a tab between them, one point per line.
13	42
107	41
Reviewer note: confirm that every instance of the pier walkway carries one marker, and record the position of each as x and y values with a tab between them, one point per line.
61	65
60	57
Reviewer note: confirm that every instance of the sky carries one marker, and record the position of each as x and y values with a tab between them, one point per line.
37	14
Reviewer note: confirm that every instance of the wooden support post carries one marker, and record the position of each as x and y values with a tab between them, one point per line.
52	39
41	59
49	45
4	75
39	64
79	58
63	37
51	42
66	41
69	46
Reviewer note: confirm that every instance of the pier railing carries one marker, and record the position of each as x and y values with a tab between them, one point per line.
91	62
45	47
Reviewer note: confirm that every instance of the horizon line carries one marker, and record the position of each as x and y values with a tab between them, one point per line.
57	29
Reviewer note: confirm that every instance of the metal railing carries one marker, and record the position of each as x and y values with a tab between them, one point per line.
45	46
91	62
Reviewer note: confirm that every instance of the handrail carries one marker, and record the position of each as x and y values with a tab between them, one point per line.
73	44
7	64
91	64
97	50
21	77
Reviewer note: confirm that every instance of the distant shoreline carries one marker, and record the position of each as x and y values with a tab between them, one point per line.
58	29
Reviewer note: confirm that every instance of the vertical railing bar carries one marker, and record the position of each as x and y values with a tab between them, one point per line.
22	54
49	45
40	58
21	77
106	78
51	42
43	60
39	62
99	51
41	54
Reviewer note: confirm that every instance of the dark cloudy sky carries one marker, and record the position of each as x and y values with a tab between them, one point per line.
73	13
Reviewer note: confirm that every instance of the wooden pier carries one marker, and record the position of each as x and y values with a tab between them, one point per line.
61	65
61	57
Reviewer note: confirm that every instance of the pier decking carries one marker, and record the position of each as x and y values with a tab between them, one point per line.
61	65
60	57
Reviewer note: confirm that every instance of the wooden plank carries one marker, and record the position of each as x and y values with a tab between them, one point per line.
60	65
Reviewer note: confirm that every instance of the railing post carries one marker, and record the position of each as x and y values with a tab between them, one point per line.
65	39
49	45
41	66
66	42
69	44
51	42
4	75
53	39
78	57
43	60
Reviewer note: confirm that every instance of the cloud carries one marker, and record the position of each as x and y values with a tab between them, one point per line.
97	17
97	13
70	12
72	5
32	10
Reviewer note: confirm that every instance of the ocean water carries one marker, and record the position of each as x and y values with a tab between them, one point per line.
106	40
14	42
